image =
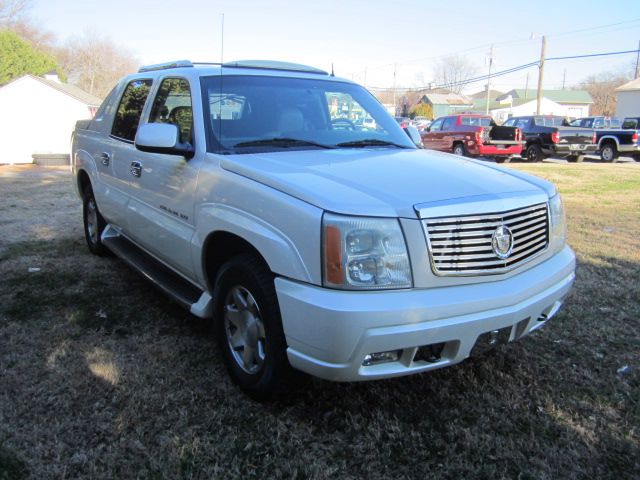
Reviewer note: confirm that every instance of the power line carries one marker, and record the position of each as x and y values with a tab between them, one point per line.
503	72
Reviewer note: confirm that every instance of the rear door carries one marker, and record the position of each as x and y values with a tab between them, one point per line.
116	152
445	140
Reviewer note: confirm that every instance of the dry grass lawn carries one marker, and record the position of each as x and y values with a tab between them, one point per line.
102	377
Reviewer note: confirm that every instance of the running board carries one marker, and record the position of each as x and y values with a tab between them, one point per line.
199	303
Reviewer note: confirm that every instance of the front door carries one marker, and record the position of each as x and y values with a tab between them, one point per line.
160	214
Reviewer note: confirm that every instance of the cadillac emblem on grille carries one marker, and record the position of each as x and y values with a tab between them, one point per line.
502	242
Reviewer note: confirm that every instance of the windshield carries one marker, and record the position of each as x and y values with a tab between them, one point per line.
249	114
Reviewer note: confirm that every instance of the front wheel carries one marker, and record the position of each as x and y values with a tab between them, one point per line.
608	153
94	224
249	327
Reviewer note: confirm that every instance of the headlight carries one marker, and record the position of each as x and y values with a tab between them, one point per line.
558	223
362	253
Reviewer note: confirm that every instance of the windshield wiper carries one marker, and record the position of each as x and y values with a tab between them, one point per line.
370	142
281	142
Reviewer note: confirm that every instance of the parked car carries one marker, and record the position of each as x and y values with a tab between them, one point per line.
596	122
421	123
546	136
473	135
344	253
611	139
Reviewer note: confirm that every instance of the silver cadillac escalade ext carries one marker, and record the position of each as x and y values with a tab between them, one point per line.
256	195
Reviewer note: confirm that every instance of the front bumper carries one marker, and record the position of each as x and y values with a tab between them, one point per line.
329	332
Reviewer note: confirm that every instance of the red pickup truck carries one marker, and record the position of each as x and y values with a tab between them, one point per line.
473	135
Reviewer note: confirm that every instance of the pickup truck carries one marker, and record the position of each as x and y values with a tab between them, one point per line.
611	137
473	135
348	254
546	136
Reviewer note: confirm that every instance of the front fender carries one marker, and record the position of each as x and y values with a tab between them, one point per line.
279	250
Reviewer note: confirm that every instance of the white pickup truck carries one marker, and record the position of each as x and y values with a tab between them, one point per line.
253	194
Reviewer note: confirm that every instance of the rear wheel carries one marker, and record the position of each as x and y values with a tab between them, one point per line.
608	153
94	224
575	158
249	327
534	153
458	149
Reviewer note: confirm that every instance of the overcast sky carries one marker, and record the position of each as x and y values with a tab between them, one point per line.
360	36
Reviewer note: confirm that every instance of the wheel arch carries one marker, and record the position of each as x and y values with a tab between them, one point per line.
608	139
224	232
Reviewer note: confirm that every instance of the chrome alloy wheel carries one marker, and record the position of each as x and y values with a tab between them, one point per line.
244	329
608	154
92	221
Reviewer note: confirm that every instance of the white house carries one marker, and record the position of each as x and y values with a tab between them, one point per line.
509	107
628	99
37	116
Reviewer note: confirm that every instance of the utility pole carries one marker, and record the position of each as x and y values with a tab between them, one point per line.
526	87
543	52
637	60
489	79
564	78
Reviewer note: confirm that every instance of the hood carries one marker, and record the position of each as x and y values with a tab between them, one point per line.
380	181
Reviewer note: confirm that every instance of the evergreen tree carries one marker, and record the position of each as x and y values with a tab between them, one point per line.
18	58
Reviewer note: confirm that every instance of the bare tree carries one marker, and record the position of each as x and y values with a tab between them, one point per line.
449	71
602	89
12	10
94	63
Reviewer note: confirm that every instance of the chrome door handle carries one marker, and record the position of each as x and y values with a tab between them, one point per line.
136	169
105	158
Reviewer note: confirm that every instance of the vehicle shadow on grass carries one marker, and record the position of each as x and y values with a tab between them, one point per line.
552	405
104	377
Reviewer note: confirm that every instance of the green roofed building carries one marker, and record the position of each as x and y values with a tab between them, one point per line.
576	103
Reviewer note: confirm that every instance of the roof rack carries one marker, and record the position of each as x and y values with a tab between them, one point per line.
164	66
253	64
274	65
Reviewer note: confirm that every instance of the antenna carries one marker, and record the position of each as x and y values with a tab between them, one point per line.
222	41
332	74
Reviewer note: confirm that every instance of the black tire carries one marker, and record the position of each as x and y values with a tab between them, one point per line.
94	223
505	159
249	328
636	157
608	152
533	153
458	149
575	158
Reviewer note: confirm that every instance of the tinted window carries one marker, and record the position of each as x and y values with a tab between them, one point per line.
129	111
173	105
615	123
436	125
245	114
448	124
103	106
630	123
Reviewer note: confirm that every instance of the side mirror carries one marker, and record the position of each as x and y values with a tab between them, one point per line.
162	138
414	135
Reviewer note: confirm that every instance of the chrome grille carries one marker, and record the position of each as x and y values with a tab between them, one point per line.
462	245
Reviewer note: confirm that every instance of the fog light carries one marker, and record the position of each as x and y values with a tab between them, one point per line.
381	357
